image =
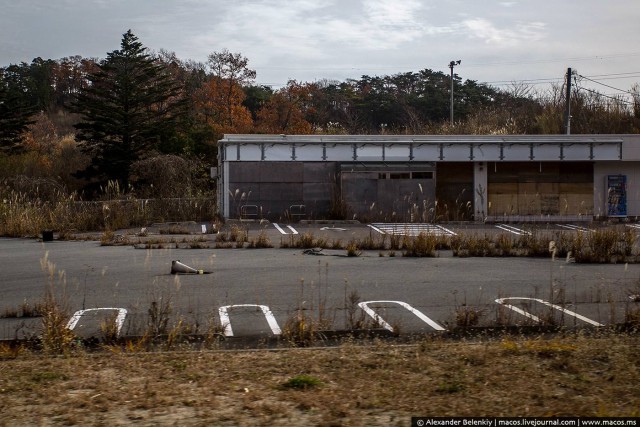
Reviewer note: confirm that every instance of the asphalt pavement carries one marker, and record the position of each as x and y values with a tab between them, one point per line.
261	291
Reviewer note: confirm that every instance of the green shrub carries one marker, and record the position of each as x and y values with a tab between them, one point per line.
302	382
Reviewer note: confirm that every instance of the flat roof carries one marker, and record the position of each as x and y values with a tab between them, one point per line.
424	139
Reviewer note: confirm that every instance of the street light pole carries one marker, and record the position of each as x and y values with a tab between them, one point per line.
451	65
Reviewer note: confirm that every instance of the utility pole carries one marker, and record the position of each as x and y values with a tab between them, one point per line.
451	65
567	114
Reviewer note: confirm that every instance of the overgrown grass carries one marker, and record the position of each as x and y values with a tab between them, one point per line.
261	242
374	384
604	245
23	214
423	245
25	309
305	241
56	338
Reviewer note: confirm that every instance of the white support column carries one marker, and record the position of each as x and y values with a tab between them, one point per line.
224	197
480	204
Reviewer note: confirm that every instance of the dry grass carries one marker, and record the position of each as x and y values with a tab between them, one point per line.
27	214
379	384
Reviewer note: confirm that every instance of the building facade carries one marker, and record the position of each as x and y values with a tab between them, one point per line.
424	178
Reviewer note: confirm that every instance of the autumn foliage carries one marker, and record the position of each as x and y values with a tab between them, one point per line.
45	132
218	105
285	111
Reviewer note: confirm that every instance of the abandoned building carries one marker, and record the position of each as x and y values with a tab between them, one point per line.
424	178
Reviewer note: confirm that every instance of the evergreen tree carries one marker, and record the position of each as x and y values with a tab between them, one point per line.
131	106
14	118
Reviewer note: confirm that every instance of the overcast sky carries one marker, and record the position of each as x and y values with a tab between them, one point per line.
499	42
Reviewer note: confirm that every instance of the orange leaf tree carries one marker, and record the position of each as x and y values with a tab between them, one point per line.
219	101
218	105
285	111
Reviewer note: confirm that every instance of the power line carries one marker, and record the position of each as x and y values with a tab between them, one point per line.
606	85
523	81
617	75
502	83
607	96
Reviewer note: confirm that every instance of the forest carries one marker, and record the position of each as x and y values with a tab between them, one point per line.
145	124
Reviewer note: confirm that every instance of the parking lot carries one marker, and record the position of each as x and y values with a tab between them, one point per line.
249	292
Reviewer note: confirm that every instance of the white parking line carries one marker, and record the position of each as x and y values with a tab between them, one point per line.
536	318
122	313
376	229
447	230
410	229
378	319
225	321
332	229
573	227
293	230
512	229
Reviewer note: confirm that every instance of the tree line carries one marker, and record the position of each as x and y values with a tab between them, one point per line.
141	119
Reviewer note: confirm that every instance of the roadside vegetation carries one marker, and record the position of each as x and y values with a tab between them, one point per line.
379	384
81	175
330	365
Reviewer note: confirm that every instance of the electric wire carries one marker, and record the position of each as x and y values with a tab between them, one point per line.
606	85
606	96
529	82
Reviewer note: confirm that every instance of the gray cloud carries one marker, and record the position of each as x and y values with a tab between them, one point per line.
337	39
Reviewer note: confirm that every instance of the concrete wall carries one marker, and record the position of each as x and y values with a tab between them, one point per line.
631	148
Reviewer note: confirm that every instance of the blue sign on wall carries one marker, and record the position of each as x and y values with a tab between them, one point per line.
617	195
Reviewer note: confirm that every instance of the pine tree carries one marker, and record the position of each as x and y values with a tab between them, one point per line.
14	118
131	106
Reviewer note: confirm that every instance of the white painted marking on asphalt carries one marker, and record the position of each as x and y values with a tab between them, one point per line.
537	319
225	321
282	231
512	229
410	229
376	229
333	229
379	320
122	313
518	310
633	225
573	227
447	230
